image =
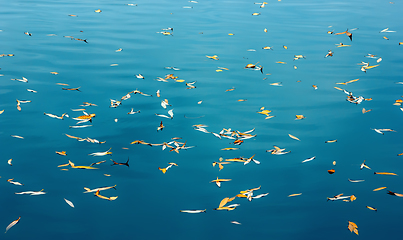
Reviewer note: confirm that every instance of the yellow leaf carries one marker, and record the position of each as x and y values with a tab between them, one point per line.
215	57
293	137
331	171
265	112
372	208
223	202
295	194
373	66
354	80
352	227
378	189
229	149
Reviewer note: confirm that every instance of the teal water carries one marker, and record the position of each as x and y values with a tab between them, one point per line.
149	202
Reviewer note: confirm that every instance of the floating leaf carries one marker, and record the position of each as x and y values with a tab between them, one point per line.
372	208
385	173
377	189
295	194
12	224
69	203
293	137
352	227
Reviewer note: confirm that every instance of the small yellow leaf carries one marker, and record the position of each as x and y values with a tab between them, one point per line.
372	208
293	137
385	173
331	171
352	227
378	189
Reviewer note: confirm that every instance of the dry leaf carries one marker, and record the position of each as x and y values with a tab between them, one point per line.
293	137
331	171
352	227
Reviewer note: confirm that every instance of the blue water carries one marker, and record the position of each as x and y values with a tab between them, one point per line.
148	201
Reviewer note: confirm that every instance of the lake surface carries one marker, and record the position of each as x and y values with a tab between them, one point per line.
149	202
